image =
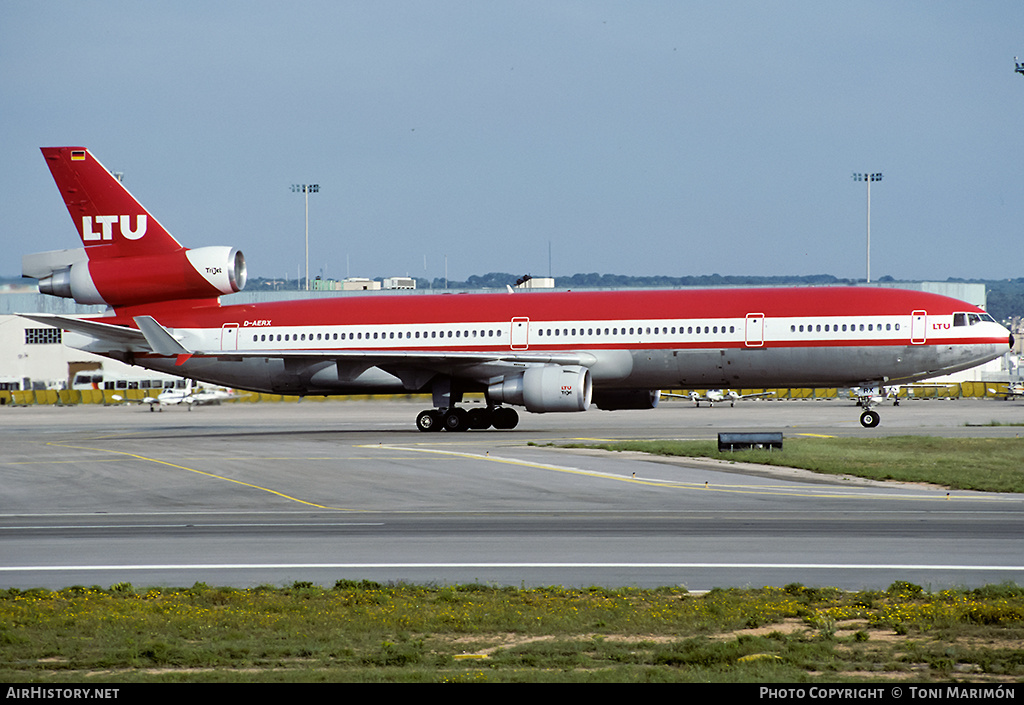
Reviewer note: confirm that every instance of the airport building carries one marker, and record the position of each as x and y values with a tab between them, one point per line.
33	356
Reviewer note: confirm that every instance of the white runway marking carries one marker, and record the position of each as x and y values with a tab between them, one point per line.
290	566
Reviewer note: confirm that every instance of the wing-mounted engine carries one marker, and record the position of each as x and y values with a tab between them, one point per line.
545	388
202	273
614	400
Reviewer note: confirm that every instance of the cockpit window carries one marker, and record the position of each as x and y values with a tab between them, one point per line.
969	319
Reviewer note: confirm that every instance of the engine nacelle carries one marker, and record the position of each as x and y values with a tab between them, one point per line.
614	400
546	388
202	273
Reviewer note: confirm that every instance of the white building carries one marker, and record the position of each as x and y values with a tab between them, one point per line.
360	284
34	357
399	283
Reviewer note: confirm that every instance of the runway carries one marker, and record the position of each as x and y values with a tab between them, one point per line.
248	494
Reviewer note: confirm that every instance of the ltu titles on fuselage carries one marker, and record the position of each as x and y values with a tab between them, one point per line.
545	352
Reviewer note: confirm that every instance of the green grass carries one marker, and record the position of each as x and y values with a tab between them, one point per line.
987	464
365	632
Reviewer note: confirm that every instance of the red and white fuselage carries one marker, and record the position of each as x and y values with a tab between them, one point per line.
544	351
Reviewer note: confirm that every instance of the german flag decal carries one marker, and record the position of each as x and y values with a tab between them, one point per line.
78	155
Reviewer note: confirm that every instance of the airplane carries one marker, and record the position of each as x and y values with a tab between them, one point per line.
173	397
544	351
715	396
1013	390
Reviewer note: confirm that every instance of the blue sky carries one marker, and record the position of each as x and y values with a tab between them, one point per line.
676	138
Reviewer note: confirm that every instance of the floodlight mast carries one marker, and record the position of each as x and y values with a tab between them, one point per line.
306	189
868	178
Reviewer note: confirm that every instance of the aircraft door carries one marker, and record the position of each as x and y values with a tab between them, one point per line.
229	336
753	330
919	327
520	339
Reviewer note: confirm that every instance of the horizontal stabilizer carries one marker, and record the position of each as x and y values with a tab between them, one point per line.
42	264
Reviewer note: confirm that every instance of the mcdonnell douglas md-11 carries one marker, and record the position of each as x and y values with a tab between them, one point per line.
547	352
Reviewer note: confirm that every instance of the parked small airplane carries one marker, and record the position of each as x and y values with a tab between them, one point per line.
715	396
174	397
1012	391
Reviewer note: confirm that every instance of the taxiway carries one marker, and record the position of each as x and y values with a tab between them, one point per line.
244	494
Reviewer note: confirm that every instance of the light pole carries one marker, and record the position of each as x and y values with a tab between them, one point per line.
306	189
868	178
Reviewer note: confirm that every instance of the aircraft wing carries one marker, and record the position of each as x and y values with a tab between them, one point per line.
384	357
153	337
162	342
126	400
758	394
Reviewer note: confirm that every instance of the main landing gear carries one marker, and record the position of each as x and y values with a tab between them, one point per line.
458	419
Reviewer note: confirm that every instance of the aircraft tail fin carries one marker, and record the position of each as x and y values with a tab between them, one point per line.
128	257
110	221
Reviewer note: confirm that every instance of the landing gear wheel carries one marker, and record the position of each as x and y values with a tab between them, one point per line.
869	419
456	419
479	418
429	420
505	418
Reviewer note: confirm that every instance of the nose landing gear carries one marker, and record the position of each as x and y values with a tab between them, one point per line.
869	419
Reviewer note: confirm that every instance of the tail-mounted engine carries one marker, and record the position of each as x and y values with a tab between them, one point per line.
545	388
202	273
